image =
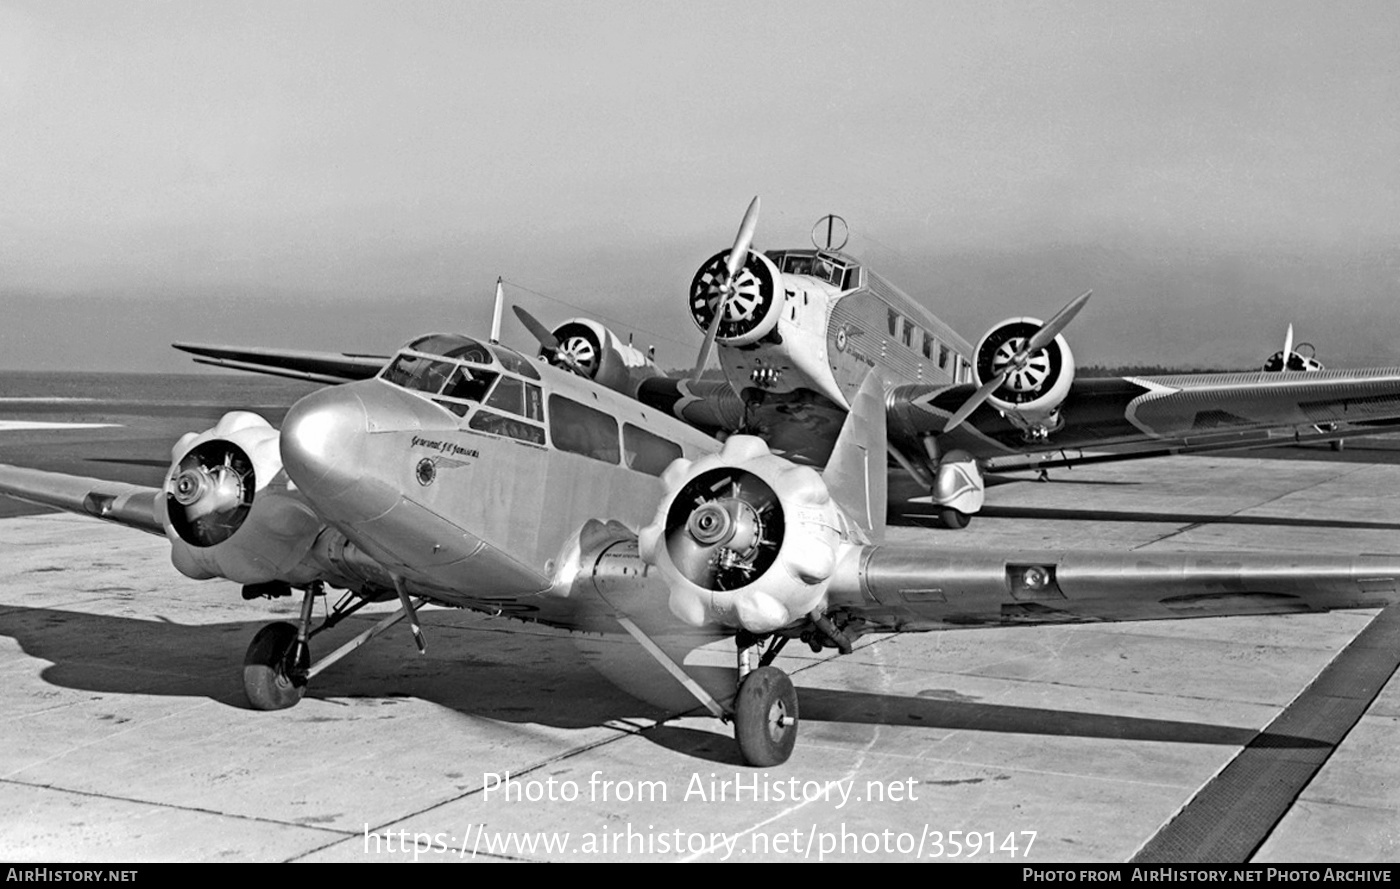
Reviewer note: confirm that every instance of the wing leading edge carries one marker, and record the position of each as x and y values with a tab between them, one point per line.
135	506
907	588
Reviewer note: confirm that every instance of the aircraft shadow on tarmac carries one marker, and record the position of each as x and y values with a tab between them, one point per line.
517	677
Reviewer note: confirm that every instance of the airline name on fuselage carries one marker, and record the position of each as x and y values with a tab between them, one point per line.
444	447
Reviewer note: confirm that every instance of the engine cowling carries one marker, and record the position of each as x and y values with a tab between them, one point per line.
743	538
1032	392
591	350
228	510
754	308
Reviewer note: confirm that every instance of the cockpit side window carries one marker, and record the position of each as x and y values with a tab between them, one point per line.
416	372
468	384
509	395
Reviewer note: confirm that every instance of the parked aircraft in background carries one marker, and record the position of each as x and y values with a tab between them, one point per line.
465	474
798	331
1293	358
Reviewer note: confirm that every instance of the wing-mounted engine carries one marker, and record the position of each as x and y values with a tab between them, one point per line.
228	510
1034	385
744	538
752	310
593	351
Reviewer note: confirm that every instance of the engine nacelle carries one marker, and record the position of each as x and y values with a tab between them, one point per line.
593	351
228	511
754	308
1031	393
744	538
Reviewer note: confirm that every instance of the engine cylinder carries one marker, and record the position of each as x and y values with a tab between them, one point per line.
743	538
228	510
753	309
593	351
1034	389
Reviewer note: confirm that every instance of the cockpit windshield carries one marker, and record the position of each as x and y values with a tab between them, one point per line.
824	266
452	345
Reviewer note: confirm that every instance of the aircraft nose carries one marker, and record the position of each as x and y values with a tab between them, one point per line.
322	437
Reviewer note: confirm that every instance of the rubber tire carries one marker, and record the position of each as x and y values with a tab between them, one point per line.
265	675
765	717
953	519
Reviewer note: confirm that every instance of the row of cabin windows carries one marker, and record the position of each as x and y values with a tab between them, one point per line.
515	409
580	429
906	331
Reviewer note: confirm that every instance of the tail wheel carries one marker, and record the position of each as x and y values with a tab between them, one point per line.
954	519
765	717
270	678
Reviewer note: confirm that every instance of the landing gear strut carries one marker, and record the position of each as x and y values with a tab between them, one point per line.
277	667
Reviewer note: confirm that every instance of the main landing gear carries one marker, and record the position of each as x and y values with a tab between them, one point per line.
277	667
765	708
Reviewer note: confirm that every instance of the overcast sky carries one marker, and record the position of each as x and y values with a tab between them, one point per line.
345	175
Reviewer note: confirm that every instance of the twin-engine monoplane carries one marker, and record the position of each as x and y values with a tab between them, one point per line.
466	474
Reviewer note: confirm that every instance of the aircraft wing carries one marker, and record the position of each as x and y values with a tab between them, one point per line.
315	367
910	588
1172	414
132	505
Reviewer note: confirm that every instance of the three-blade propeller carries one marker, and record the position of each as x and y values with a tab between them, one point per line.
1042	338
735	263
571	356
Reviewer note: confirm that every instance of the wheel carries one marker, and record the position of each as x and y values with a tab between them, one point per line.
765	717
952	518
269	679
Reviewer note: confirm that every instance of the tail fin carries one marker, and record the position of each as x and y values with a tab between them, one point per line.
856	474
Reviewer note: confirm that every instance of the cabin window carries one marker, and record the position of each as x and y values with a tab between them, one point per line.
582	430
908	334
486	421
646	452
414	372
928	345
894	323
469	385
943	357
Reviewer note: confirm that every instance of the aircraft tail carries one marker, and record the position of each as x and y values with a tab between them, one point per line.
856	474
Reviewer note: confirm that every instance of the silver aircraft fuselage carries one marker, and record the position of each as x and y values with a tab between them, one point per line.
468	476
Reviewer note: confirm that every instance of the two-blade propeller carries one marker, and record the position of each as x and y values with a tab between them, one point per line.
572	356
1042	338
737	256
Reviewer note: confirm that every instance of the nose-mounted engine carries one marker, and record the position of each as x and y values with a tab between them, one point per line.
744	538
228	511
753	309
1035	384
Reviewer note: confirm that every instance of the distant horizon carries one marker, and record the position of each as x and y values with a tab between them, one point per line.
344	176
